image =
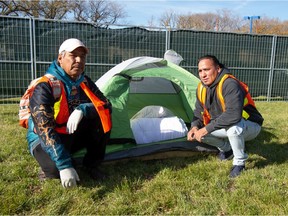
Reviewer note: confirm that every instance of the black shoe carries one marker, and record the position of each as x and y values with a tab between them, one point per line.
236	170
96	174
225	155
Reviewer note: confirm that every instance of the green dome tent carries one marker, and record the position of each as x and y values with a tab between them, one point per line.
142	82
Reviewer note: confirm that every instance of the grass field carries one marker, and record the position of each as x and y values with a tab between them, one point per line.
197	185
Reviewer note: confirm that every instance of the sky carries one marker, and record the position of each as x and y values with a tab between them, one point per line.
139	12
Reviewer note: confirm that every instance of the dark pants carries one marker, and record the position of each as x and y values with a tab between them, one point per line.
89	135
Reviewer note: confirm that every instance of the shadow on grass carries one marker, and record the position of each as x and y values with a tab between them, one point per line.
268	149
135	172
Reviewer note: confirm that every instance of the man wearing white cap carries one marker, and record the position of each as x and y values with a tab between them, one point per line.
78	117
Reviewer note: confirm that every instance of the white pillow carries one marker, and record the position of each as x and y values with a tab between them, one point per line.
148	130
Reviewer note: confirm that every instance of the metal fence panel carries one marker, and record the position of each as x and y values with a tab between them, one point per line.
235	50
28	46
15	57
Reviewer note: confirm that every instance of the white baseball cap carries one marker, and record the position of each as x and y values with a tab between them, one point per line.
71	44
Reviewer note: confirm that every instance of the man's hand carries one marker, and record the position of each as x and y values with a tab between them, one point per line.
196	134
69	177
200	133
74	120
190	134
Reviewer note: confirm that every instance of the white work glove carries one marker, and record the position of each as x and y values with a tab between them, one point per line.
74	120
69	177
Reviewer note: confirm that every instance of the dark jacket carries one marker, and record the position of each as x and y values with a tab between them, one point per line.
234	96
42	113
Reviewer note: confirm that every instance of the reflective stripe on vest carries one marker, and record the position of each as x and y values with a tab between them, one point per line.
61	112
201	93
103	112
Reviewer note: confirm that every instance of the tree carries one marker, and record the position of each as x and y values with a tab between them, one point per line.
198	21
49	9
152	21
98	11
169	18
272	26
10	7
223	20
227	21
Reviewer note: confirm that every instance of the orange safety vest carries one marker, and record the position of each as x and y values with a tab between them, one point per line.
61	110
24	112
103	112
201	93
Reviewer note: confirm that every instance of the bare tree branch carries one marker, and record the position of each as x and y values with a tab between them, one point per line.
169	18
98	11
10	7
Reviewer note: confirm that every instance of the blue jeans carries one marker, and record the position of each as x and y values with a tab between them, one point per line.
234	138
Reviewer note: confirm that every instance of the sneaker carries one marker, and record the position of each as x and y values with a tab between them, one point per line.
236	170
225	155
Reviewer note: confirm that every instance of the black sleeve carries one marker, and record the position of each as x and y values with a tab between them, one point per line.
41	106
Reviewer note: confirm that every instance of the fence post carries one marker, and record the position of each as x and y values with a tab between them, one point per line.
271	72
167	42
33	48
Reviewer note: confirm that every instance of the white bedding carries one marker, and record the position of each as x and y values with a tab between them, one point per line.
153	112
147	130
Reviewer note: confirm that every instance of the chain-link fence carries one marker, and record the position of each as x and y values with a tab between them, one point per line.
28	46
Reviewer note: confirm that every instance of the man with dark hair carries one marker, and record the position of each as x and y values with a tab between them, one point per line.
78	118
225	115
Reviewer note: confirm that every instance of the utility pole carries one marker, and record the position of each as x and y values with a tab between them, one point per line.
251	18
